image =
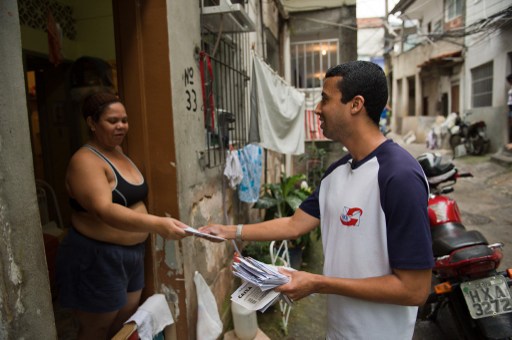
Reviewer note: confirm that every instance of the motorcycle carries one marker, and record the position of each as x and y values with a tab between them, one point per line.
472	135
465	276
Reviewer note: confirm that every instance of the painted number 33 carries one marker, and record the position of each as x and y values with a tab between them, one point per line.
191	100
188	78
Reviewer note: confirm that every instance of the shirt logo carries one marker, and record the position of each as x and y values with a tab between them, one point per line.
350	216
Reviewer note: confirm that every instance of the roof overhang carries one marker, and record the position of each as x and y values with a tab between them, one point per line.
401	6
308	5
443	60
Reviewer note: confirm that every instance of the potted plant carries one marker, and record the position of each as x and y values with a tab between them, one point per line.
281	200
314	159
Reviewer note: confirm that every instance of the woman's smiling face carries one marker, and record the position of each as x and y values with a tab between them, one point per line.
112	125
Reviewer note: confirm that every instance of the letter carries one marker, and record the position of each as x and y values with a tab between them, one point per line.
487	295
500	293
474	296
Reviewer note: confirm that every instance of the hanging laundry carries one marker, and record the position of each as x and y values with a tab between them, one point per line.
233	170
277	111
250	158
313	130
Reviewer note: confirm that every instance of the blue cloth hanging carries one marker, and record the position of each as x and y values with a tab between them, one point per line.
250	158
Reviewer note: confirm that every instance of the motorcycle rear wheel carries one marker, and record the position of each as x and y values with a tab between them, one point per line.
479	145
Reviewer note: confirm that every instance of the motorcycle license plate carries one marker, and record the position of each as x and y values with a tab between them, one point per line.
487	297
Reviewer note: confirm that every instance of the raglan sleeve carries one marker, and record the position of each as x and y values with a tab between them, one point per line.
405	203
311	205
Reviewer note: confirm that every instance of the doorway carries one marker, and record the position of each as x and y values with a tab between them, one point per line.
51	127
455	93
54	94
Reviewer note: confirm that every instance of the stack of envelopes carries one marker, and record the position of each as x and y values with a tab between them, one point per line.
259	280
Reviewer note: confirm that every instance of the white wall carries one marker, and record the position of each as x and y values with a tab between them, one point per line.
431	84
202	198
478	9
25	299
482	48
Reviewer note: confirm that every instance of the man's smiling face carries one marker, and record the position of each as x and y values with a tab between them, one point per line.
333	114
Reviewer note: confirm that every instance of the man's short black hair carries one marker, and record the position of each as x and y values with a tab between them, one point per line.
509	78
362	78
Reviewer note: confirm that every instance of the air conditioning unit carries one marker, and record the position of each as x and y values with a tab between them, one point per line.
226	17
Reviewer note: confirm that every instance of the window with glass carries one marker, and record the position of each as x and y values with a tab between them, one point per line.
310	60
481	84
452	9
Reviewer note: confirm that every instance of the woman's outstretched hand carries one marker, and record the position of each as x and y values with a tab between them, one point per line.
172	229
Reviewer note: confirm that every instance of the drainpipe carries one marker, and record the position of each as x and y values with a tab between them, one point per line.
262	28
288	78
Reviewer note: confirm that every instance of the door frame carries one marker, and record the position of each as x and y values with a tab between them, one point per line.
144	80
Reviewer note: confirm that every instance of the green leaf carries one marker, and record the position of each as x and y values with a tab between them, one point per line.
265	202
293	202
302	195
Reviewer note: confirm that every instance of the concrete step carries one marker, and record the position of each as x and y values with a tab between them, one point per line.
503	157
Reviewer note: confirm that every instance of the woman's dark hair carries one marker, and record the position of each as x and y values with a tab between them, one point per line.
362	78
95	104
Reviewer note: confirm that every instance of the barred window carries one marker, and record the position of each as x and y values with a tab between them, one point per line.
310	60
226	97
481	84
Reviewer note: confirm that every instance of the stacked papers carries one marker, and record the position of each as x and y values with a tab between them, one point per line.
259	280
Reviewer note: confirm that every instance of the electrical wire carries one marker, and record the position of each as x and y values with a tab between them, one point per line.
485	26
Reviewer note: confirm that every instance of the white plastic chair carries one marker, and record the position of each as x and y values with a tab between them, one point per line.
279	256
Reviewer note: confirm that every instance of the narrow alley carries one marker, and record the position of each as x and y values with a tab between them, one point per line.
486	205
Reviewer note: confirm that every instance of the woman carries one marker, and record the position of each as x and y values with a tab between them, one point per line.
100	268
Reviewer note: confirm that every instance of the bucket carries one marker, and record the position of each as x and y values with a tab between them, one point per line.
245	322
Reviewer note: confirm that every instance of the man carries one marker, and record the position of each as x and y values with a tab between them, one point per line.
372	208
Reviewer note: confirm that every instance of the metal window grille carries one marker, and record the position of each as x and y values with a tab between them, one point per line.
482	85
310	60
226	121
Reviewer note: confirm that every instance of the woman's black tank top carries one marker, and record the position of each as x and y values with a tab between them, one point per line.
124	192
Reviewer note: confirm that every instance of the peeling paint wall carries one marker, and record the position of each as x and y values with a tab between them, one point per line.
200	190
25	299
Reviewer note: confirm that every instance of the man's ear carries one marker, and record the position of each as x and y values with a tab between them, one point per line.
357	104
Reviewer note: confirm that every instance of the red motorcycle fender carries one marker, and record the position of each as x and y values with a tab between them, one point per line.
441	210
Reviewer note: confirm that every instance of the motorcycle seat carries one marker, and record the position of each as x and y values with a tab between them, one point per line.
455	238
468	253
449	229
